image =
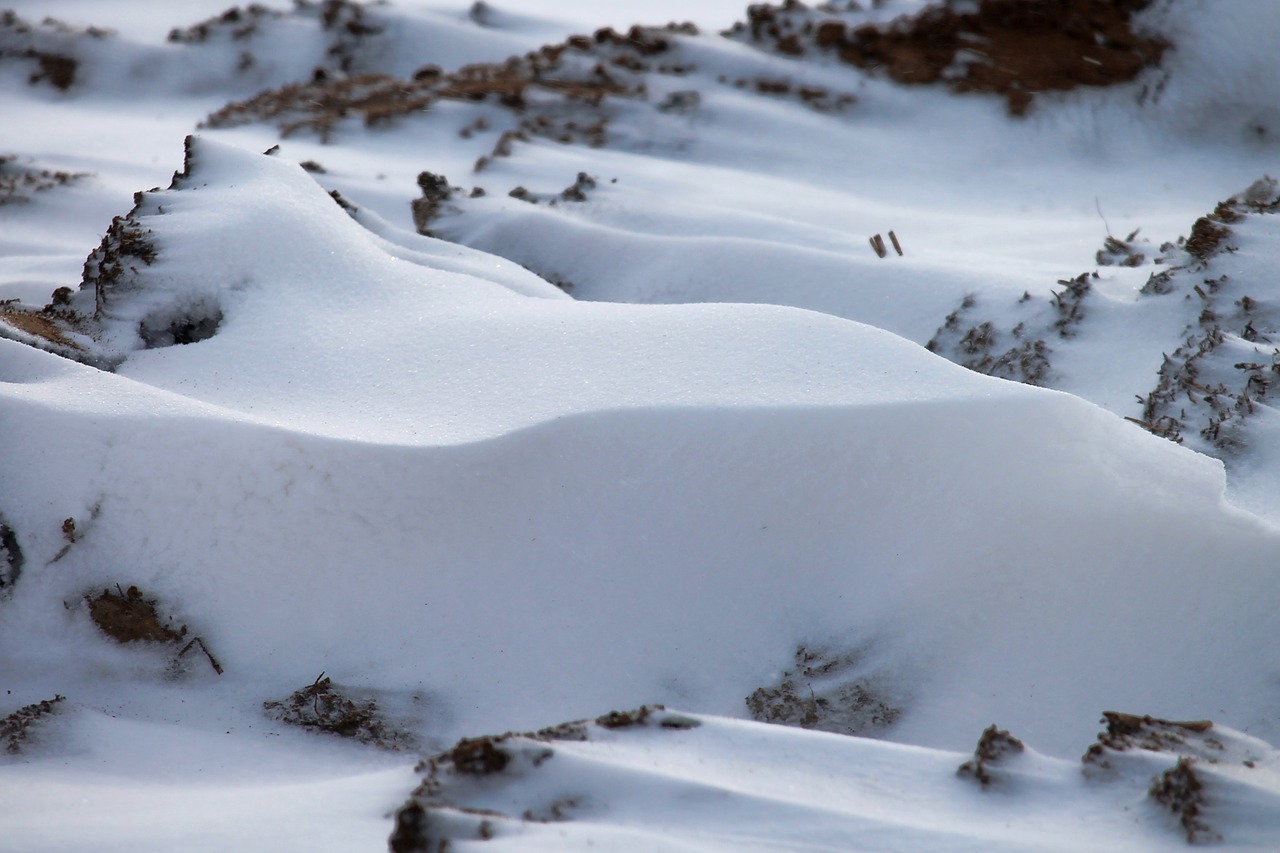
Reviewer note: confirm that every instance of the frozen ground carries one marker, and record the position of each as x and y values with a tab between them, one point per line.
499	397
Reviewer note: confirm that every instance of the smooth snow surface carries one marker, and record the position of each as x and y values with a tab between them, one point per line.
673	438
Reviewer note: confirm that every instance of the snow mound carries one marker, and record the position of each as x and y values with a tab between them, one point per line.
444	467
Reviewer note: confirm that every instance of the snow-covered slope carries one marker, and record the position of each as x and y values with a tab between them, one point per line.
301	444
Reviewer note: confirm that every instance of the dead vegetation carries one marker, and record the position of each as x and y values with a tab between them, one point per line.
18	183
435	192
564	92
1132	731
15	729
11	558
349	31
1227	361
113	267
437	814
1013	48
322	707
1210	382
1181	789
1021	354
1132	251
128	616
560	91
994	746
48	48
827	691
818	98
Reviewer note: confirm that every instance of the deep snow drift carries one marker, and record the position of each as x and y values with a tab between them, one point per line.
345	445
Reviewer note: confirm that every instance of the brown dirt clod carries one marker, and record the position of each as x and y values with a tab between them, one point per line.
479	756
126	616
993	746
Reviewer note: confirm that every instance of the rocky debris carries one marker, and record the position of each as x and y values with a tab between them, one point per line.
994	747
827	691
322	707
1013	48
438	813
15	729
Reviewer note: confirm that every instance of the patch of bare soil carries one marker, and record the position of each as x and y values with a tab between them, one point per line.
994	746
437	815
1013	48
128	616
35	324
16	728
828	691
323	707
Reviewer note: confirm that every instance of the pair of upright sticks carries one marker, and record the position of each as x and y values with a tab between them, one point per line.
877	243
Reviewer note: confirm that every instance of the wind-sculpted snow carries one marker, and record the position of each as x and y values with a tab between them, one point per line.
445	468
320	459
735	786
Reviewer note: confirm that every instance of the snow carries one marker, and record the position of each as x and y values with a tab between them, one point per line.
717	459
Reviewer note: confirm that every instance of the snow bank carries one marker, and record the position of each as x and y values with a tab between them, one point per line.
530	507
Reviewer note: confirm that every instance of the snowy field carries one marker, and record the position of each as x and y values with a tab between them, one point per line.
750	408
